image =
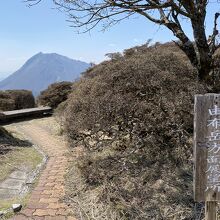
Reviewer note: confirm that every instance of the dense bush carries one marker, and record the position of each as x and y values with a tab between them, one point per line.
55	94
16	99
23	98
6	102
133	116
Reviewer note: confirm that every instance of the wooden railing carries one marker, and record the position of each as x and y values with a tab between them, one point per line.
23	113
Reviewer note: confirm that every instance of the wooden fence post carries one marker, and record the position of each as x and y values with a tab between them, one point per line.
211	210
207	152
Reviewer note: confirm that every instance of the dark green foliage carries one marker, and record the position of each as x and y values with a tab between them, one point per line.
16	99
134	117
55	94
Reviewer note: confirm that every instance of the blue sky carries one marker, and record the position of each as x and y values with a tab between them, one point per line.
26	31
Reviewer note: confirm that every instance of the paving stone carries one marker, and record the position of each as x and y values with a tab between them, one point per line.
19	217
36	192
49	200
28	212
8	193
44	212
21	175
39	188
35	196
47	192
37	205
12	184
50	184
55	218
56	206
52	177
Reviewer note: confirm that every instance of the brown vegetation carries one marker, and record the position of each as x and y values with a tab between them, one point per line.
133	117
55	94
16	99
6	102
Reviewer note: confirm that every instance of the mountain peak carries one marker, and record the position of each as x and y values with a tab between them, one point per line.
43	69
38	54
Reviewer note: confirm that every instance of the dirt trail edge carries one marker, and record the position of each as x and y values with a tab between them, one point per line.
45	200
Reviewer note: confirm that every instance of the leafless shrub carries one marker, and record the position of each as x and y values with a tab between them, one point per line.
54	94
114	56
16	99
23	98
133	117
6	103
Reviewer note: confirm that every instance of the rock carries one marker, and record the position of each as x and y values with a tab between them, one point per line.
127	137
158	184
1	213
92	143
86	132
115	127
105	137
16	207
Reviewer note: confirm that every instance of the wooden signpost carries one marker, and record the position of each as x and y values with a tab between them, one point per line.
207	152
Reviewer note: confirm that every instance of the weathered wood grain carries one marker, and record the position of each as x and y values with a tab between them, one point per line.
211	210
201	132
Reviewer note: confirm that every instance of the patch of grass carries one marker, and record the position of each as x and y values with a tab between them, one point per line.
15	153
7	216
6	204
19	156
50	124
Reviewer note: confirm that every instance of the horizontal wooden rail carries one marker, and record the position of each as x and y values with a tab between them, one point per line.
22	113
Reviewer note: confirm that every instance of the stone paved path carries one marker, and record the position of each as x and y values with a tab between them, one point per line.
44	202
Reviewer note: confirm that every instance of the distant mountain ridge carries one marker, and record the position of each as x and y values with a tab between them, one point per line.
42	70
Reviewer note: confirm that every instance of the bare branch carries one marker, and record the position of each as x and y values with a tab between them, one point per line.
212	38
87	14
35	2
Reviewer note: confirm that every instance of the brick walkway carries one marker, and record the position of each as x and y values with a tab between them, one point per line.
44	202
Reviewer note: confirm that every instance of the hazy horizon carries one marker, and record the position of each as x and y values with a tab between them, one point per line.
5	75
43	69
